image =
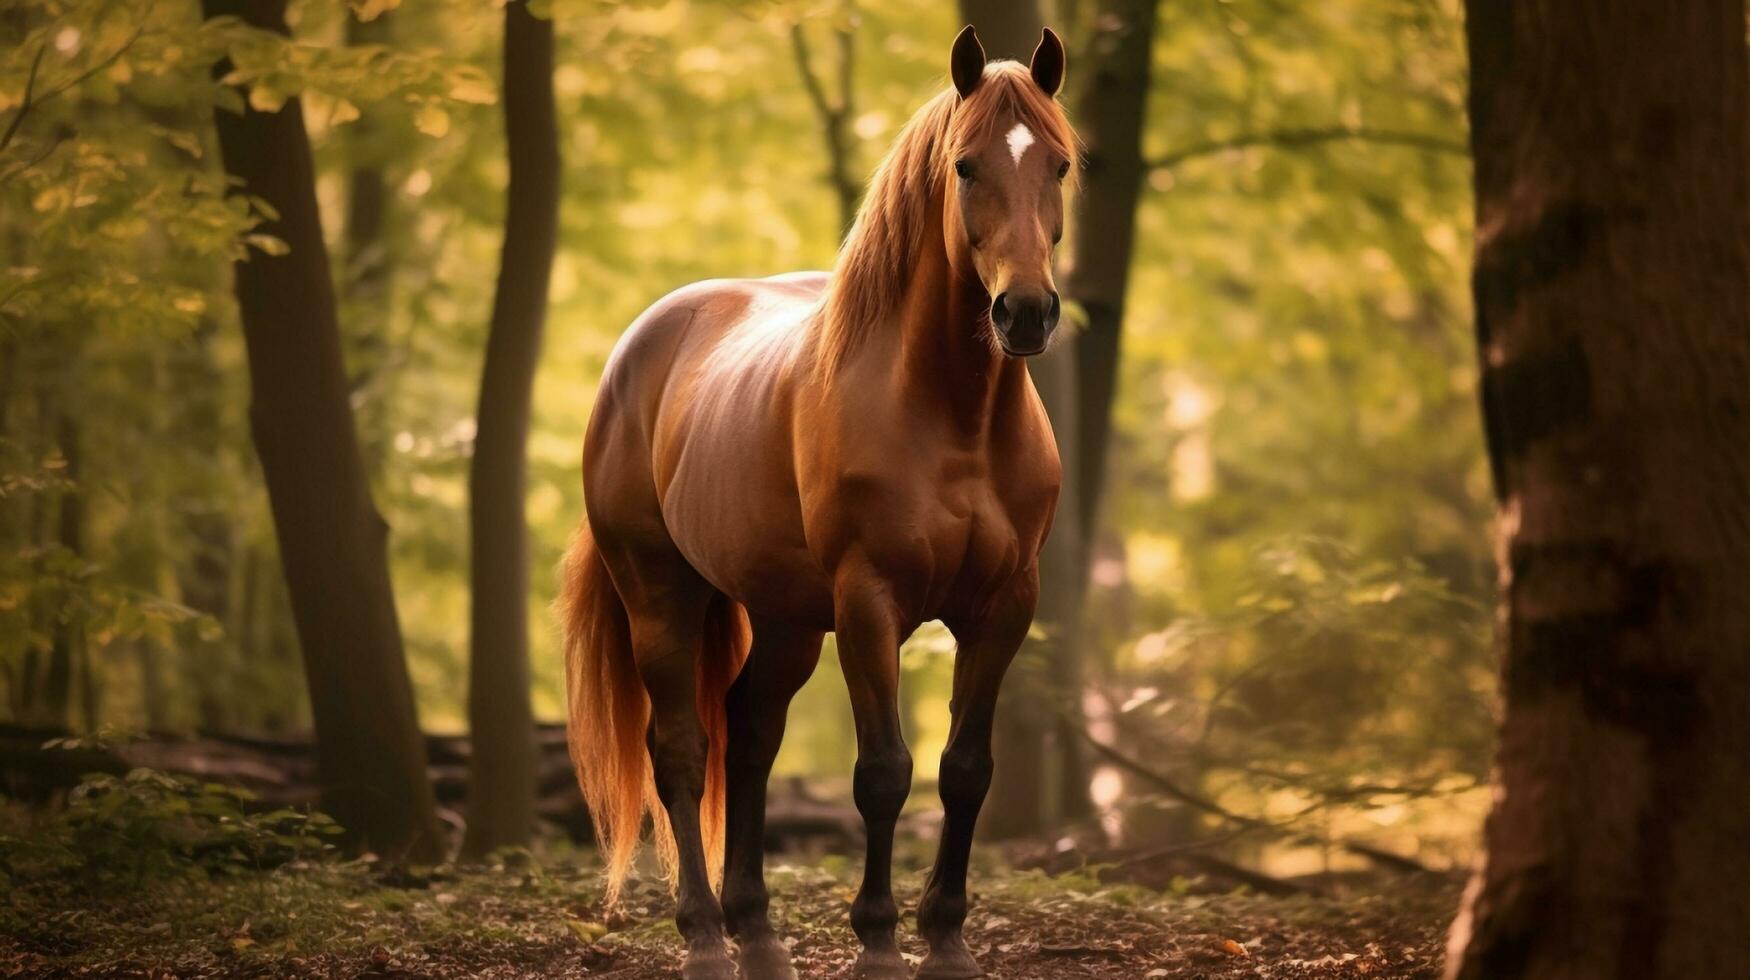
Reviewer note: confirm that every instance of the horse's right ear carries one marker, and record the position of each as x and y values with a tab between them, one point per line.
966	64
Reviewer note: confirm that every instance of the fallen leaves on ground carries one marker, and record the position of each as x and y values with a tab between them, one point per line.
350	920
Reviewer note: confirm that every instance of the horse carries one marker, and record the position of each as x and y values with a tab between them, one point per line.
768	460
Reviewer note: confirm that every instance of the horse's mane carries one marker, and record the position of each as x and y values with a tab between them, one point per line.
876	260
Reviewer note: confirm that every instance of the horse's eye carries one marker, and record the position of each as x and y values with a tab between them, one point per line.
963	169
1063	170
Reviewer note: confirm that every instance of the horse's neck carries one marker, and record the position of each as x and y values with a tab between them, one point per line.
945	350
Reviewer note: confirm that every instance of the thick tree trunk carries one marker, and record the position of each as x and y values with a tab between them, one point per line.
1109	116
332	540
501	809
1613	320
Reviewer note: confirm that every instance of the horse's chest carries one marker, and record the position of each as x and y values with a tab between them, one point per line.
941	543
981	545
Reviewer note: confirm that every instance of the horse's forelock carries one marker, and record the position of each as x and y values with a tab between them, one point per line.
1008	92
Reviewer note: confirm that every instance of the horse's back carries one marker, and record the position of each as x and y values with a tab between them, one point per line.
689	441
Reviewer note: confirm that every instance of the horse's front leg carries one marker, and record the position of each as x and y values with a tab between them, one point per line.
986	645
869	626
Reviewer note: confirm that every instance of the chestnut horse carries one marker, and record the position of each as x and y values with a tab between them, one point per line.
771	459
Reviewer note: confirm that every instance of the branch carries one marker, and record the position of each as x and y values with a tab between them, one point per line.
62	134
847	60
1295	137
25	104
29	103
1170	787
1173	789
810	81
834	114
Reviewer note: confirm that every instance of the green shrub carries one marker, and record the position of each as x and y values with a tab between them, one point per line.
124	830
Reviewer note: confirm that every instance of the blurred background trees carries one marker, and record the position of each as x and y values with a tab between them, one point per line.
1274	574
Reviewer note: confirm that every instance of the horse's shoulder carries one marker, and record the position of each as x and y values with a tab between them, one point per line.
810	283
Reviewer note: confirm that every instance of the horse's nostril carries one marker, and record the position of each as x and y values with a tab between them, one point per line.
999	310
1056	306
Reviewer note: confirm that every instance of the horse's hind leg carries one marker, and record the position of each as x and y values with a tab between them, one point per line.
986	646
666	602
781	660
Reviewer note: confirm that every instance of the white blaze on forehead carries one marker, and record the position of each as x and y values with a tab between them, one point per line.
1019	139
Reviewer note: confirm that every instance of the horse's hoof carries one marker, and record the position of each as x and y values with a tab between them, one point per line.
708	965
881	964
765	959
949	961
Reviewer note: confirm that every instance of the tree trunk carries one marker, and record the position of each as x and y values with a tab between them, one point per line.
1007	28
367	272
1612	289
1029	762
834	112
68	630
204	573
501	809
332	540
1109	117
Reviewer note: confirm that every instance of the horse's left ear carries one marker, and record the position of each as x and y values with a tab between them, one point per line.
1048	62
966	63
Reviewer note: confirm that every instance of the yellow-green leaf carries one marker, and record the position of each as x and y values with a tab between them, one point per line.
432	120
264	99
587	932
267	244
369	10
469	84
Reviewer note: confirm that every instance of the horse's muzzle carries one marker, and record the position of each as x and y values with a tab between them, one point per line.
1024	323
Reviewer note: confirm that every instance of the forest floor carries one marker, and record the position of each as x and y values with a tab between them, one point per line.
521	918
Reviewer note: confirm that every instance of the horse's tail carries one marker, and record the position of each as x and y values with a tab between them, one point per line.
609	713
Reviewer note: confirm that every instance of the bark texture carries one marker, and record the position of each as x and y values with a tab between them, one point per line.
332	540
502	812
1613	315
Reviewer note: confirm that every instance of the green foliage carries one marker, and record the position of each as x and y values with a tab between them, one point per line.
121	831
1291	568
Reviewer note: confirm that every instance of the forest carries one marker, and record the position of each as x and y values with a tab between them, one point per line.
1398	392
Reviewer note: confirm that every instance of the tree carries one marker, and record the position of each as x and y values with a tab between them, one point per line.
1109	116
1612	290
368	265
332	540
1025	752
835	112
501	796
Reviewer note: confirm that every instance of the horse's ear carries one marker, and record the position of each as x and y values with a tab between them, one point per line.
966	64
1048	62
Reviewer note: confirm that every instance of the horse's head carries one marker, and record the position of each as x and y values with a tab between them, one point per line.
1011	149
